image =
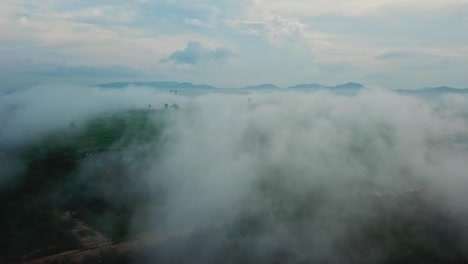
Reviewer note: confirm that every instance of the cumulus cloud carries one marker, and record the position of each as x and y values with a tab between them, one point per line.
196	53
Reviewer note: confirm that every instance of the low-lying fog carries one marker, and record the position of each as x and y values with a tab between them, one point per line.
292	176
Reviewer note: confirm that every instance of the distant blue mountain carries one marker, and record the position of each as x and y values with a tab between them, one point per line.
265	86
350	87
160	85
307	86
434	91
347	88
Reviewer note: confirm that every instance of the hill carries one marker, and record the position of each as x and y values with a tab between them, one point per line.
159	85
309	86
346	88
428	91
55	167
83	190
265	86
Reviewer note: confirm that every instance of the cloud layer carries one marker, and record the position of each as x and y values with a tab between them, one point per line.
268	36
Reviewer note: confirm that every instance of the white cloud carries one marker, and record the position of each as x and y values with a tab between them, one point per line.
88	42
7	7
293	32
276	29
196	23
314	35
105	13
305	8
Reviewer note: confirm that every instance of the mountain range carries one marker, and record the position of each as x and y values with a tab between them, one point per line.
265	86
434	91
350	87
317	86
187	85
160	85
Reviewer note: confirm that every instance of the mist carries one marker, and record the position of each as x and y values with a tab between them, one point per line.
30	112
311	168
271	177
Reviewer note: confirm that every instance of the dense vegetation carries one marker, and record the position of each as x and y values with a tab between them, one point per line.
94	172
81	170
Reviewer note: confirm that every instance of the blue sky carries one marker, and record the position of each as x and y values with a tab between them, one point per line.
389	43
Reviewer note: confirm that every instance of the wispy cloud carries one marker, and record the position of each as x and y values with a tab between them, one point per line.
396	55
277	30
196	22
307	8
83	71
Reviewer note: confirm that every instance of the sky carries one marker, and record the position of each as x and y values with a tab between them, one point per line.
233	43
